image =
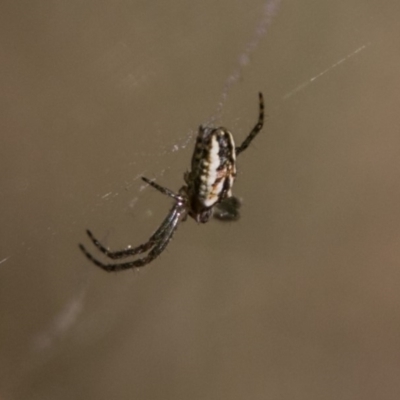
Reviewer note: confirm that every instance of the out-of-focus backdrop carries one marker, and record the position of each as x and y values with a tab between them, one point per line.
299	299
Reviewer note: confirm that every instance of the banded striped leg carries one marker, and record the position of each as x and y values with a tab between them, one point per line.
157	243
257	128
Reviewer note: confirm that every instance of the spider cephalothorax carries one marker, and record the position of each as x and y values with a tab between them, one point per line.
208	184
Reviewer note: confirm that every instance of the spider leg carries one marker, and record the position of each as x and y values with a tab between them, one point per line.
257	128
159	244
162	189
129	251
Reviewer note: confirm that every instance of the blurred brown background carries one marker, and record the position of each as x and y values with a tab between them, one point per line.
300	299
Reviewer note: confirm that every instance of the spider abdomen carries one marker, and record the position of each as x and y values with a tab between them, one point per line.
207	184
213	171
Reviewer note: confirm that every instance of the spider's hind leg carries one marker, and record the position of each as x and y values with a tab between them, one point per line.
257	128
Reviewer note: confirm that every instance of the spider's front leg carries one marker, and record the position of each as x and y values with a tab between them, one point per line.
115	255
156	244
129	251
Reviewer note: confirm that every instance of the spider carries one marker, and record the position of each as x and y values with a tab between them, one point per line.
207	185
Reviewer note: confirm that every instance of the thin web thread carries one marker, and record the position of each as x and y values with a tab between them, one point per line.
270	9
